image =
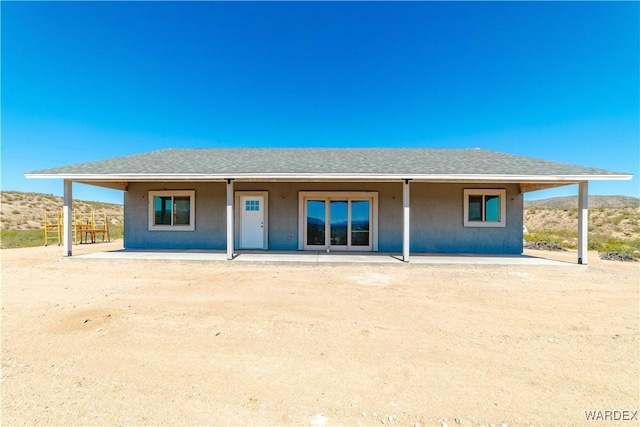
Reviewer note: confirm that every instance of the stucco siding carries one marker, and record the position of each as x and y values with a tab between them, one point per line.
436	217
437	212
210	218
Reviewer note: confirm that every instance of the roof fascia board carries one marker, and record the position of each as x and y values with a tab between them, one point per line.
332	177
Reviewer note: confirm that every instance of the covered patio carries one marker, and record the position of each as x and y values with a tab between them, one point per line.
320	257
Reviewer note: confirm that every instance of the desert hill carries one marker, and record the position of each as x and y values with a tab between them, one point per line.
614	216
25	211
571	202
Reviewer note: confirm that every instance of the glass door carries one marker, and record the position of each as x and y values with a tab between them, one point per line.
339	214
338	224
315	223
360	224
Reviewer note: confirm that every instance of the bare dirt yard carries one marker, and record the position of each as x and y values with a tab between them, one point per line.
135	342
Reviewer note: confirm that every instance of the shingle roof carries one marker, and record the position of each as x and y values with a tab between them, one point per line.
232	163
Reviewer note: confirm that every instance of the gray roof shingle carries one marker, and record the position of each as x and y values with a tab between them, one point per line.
352	161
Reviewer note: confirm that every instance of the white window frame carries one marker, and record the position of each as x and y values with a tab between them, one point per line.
502	197
173	193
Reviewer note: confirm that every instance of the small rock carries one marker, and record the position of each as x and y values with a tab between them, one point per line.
364	414
417	425
457	420
615	256
444	424
544	246
98	329
390	417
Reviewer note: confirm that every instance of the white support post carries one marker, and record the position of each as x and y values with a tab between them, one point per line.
67	219
406	233
230	228
583	223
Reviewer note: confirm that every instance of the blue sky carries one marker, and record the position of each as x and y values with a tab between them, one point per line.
88	81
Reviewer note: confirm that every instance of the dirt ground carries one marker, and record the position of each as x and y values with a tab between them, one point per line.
98	342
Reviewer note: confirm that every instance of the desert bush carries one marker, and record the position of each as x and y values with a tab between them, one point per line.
604	244
618	219
116	231
562	238
608	245
21	238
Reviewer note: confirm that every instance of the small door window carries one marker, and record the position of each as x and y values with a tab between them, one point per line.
252	205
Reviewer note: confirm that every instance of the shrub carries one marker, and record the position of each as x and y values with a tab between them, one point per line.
611	248
553	238
21	238
116	231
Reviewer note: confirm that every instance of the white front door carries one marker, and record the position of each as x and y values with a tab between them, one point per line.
252	222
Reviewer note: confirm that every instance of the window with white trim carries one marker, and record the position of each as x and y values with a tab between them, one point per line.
172	210
484	208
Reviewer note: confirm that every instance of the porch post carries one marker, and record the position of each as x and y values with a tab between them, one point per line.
405	221
67	219
230	219
583	222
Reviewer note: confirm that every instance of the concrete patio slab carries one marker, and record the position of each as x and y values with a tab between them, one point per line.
324	257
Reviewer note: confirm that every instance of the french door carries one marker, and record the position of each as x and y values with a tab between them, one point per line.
338	222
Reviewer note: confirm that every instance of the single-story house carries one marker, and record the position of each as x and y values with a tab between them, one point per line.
389	200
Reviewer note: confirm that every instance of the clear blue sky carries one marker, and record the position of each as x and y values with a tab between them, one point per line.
88	81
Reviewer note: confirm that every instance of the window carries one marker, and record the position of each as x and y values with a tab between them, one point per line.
252	205
484	208
172	210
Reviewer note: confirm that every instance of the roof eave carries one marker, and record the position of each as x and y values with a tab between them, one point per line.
331	177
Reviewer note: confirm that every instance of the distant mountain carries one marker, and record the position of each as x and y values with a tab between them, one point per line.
315	221
571	202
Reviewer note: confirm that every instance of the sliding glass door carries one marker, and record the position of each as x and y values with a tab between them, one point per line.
338	223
